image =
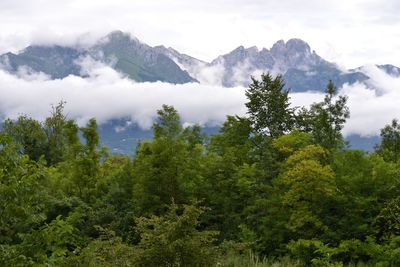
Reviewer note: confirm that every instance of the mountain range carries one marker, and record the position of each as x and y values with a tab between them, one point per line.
302	68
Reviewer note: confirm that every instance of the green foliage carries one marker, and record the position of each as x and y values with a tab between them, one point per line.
49	245
389	147
268	107
20	186
168	124
327	119
278	183
309	252
174	240
290	143
169	167
309	186
106	251
252	260
29	134
54	127
387	222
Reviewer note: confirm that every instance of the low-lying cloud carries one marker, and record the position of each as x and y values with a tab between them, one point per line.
105	94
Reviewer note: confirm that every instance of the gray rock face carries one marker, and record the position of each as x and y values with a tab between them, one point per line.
292	59
302	68
390	69
185	62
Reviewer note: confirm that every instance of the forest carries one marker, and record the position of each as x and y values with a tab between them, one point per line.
277	187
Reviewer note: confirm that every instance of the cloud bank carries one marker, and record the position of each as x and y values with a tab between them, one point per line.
107	95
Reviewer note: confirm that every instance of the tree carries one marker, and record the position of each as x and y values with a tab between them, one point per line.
21	202
389	148
29	134
80	168
309	184
168	123
54	127
328	118
174	239
48	246
268	106
387	222
166	168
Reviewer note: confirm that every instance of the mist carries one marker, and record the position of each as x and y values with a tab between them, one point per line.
106	94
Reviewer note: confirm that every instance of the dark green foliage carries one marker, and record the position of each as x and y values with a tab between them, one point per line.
106	251
389	147
29	134
388	221
54	127
328	118
278	185
21	205
268	107
169	167
168	124
174	240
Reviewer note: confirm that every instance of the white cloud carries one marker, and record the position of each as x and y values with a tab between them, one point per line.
374	105
106	95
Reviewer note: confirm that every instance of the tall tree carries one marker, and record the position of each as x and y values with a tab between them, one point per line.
54	127
389	148
166	169
269	107
29	135
328	119
168	124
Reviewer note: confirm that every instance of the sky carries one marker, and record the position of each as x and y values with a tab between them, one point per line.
349	33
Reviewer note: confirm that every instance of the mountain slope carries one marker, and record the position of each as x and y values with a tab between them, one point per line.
56	61
124	53
139	61
302	68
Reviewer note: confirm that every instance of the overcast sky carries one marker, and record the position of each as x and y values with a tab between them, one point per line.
348	32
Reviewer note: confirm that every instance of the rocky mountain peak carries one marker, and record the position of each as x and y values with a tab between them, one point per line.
302	68
292	46
119	36
278	47
240	54
238	50
298	45
252	50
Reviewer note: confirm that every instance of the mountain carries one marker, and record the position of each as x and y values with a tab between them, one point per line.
56	61
190	64
124	53
139	61
390	69
302	68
